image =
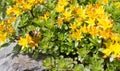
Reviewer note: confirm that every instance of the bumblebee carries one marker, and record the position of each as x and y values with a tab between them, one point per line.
36	35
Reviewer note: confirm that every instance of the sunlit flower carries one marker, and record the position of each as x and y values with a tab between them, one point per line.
25	41
78	22
46	16
72	7
81	12
107	52
59	8
31	1
105	1
99	10
112	48
78	35
28	37
67	14
9	10
19	1
13	11
91	22
11	20
105	34
105	23
84	29
2	22
60	20
2	27
27	6
3	38
94	31
63	2
41	1
115	37
73	27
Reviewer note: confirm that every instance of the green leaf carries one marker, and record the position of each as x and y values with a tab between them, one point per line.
78	67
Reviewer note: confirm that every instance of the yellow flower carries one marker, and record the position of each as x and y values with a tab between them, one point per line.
105	1
84	29
105	23
60	21
78	35
116	50
31	1
78	22
19	1
11	20
25	41
16	11
13	11
28	37
93	30
59	8
72	7
27	6
92	12
115	37
106	34
108	49
81	12
9	10
107	52
2	27
99	10
67	15
73	27
46	16
63	2
3	38
91	22
112	48
2	23
41	1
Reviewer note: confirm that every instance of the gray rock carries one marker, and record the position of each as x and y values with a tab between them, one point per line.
5	51
18	63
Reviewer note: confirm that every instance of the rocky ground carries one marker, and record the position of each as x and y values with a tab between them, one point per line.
20	62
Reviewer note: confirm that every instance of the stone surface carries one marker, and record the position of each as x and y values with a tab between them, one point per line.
18	63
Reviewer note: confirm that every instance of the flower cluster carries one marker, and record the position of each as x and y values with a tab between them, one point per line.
21	6
6	29
90	19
